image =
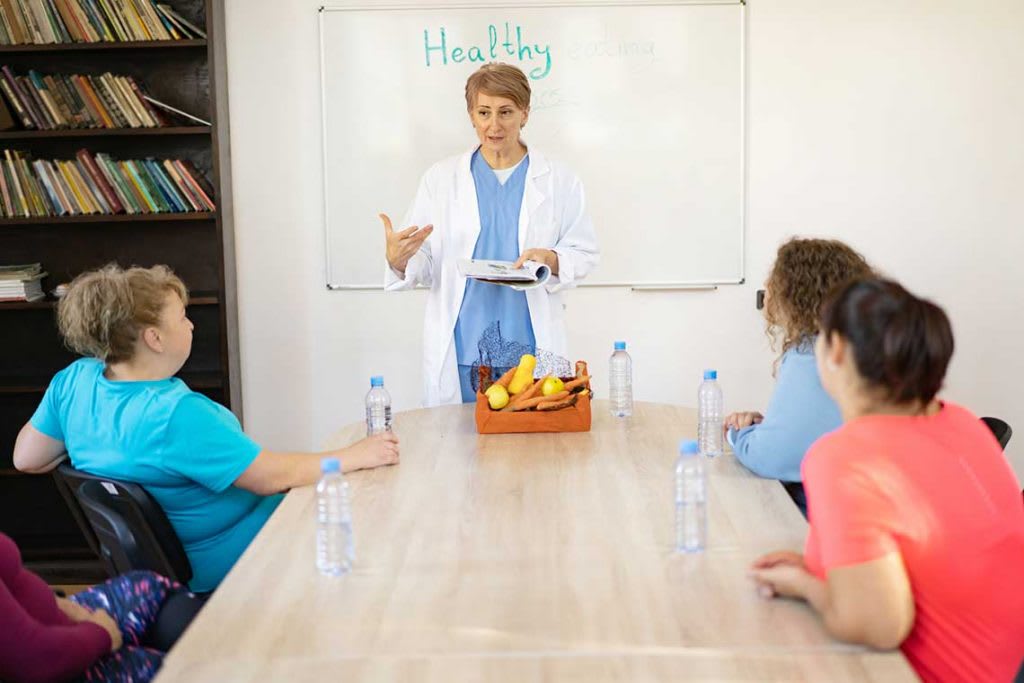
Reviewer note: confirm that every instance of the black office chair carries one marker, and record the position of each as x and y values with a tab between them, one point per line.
123	523
1000	429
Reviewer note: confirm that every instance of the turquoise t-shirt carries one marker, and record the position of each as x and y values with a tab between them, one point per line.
185	449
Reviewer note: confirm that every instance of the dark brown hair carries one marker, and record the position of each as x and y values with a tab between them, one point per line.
901	344
805	272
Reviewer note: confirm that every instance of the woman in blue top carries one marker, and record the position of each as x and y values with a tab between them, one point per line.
772	445
120	412
500	201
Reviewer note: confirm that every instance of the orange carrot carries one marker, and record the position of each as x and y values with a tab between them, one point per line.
537	400
559	404
525	394
578	382
506	378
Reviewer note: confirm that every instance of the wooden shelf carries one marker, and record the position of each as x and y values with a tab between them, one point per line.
196	299
103	132
38	385
111	218
102	46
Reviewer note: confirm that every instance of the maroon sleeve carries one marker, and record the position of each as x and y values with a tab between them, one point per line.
31	651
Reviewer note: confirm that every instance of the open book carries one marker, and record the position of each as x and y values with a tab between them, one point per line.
532	274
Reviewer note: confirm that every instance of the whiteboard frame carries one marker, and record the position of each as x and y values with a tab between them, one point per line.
683	285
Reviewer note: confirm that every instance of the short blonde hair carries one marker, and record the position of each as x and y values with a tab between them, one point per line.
499	80
105	310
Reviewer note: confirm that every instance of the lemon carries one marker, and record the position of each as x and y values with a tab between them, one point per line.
497	396
552	385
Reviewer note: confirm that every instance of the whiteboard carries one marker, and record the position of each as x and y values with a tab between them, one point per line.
643	101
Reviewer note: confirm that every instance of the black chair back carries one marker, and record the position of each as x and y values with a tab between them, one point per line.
1000	429
129	528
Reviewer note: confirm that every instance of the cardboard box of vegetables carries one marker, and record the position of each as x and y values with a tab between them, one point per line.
518	402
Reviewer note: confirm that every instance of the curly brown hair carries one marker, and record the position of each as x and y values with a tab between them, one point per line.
806	271
104	310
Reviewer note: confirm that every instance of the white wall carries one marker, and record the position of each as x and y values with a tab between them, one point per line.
895	125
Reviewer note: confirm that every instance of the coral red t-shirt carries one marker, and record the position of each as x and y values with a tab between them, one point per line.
938	490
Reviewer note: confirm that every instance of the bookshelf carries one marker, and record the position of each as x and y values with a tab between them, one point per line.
190	75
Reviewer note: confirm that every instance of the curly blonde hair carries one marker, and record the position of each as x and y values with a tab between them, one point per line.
805	272
105	310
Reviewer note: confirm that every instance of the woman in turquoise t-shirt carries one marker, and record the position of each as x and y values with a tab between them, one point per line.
120	412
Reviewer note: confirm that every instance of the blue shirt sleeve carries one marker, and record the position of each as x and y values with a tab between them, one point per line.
206	444
47	418
798	413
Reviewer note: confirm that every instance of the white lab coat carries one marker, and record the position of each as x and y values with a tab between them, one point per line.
553	216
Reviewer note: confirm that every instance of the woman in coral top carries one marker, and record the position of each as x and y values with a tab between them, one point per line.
916	524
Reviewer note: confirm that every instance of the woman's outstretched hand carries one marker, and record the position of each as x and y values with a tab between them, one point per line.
403	245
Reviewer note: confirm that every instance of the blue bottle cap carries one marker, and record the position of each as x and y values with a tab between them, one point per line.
620	346
328	465
688	447
711	374
377	381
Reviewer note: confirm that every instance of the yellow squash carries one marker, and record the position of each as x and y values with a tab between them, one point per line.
524	375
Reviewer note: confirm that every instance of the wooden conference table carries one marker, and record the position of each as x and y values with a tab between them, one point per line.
519	558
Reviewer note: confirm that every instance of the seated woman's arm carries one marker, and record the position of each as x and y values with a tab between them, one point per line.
870	603
275	471
866	595
798	413
37	453
33	651
205	443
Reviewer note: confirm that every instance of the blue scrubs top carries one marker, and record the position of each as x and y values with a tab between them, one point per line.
499	204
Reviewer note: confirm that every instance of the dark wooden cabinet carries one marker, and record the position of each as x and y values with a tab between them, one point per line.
190	75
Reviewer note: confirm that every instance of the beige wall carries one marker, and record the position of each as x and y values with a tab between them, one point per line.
892	124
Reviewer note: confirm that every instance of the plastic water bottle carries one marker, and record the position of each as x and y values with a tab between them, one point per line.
620	381
378	407
709	415
335	545
691	500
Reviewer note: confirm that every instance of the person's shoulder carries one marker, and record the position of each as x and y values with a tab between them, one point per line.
84	366
799	356
958	413
540	162
447	167
835	450
81	370
189	405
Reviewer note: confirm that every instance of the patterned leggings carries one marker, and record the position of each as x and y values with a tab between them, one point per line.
133	600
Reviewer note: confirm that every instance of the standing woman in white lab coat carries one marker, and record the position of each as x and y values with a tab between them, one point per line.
503	201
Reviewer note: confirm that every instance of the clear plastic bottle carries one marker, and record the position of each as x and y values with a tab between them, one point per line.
691	500
378	407
335	544
709	415
620	381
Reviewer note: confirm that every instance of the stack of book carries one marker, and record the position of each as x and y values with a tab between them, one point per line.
90	21
48	102
22	282
98	184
